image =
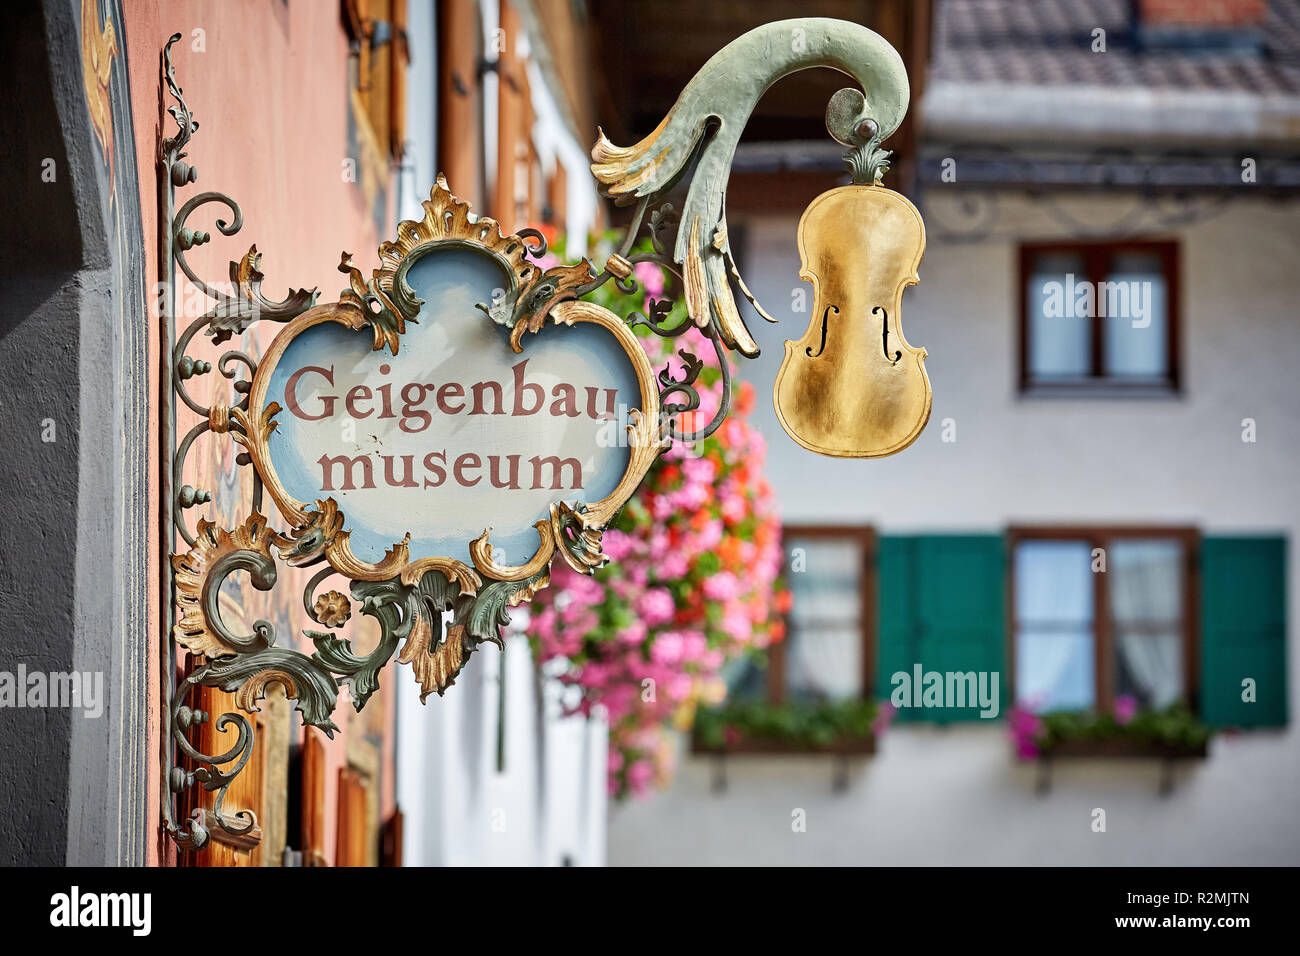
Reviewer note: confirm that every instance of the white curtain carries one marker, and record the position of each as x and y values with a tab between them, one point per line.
1146	600
824	646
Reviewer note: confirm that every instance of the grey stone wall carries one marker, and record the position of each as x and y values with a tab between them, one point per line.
72	482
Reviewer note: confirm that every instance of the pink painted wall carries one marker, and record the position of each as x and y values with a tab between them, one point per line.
270	92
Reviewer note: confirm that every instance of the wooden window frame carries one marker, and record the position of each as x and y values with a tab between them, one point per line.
867	538
1096	256
1100	536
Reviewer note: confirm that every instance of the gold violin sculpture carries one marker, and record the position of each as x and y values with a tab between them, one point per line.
852	387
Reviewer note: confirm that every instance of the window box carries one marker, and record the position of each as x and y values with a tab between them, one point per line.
1173	732
842	728
1120	747
1167	735
840	747
839	729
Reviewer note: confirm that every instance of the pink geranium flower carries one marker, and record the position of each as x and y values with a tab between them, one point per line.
655	606
650	276
1025	728
884	715
723	586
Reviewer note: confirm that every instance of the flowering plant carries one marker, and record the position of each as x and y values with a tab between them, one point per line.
692	579
1174	727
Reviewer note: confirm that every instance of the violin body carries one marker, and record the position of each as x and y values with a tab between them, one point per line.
852	387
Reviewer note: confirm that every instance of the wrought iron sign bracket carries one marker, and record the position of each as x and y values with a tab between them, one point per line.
410	595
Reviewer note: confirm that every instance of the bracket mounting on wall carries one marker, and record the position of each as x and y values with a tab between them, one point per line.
440	607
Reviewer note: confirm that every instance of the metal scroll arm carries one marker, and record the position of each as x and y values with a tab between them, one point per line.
707	120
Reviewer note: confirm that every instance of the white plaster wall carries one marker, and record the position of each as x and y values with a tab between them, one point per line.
1039	459
956	796
543	805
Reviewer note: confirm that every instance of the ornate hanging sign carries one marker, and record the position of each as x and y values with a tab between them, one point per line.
460	419
449	441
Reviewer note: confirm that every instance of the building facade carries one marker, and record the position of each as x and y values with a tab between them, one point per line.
1100	509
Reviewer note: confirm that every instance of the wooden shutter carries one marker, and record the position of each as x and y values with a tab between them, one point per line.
510	196
401	61
942	605
390	840
381	67
1243	630
460	104
313	798
353	820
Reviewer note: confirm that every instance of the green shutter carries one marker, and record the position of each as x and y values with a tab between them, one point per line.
941	601
1243	631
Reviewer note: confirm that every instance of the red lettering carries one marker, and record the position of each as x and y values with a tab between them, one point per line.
439	474
610	395
521	385
467	460
453	390
556	464
413	398
386	393
408	462
478	388
495	462
291	398
361	393
347	464
566	401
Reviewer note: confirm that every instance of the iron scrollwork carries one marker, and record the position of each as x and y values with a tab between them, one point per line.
214	553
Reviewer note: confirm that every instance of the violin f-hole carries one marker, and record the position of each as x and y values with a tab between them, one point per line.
822	347
884	334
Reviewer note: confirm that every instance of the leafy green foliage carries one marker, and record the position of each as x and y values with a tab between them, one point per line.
1174	726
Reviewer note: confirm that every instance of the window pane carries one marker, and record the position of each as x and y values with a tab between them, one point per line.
1054	625
1135	304
1054	582
1059	340
823	645
1145	585
1054	669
